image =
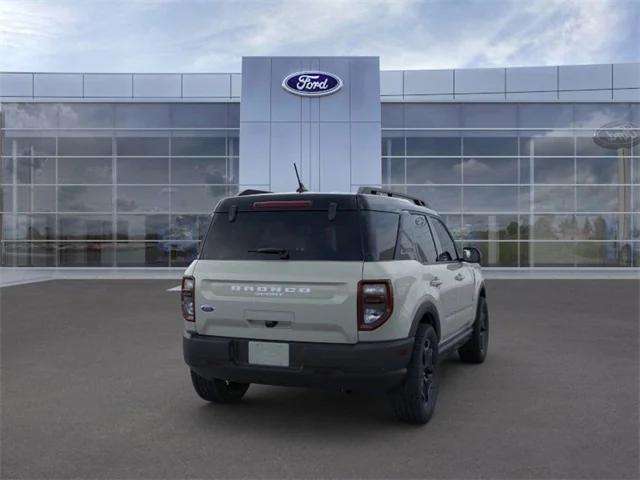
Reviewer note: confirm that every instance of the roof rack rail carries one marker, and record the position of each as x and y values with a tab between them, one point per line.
250	191
388	193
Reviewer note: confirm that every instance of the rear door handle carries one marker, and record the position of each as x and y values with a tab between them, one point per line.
435	282
459	277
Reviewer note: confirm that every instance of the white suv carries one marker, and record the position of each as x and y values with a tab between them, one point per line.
361	291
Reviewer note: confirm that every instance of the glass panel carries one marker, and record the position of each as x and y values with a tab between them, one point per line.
84	199
554	227
233	143
636	169
546	146
635	231
29	254
553	199
489	115
85	227
603	254
497	254
85	146
140	254
393	170
442	199
434	170
198	146
196	199
30	115
490	199
85	115
183	253
490	227
200	115
199	170
6	170
85	170
392	115
6	199
154	115
36	199
587	146
604	227
425	115
143	227
143	199
553	170
490	170
392	144
603	170
603	198
536	115
143	170
490	146
598	114
432	146
142	146
28	146
79	254
36	170
31	227
188	227
547	254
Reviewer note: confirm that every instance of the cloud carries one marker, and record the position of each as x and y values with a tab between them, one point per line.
198	35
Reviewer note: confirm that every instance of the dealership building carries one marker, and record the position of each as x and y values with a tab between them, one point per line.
536	166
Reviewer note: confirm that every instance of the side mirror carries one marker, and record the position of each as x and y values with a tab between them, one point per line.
471	255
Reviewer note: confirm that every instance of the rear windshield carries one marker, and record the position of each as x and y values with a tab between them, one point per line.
292	235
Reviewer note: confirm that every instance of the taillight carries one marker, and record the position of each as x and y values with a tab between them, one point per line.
187	297
375	303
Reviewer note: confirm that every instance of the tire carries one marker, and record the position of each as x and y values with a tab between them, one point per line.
415	400
475	350
218	391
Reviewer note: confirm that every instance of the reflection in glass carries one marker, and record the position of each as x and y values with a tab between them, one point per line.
603	227
36	170
30	227
84	170
199	170
143	199
490	199
615	198
29	146
442	199
393	144
603	254
547	254
30	115
553	199
490	227
603	170
85	146
198	146
490	146
490	170
200	115
85	227
143	227
142	170
554	227
196	199
433	170
393	170
36	199
553	170
84	199
142	146
24	254
81	254
432	146
85	115
546	146
183	253
496	254
141	254
189	227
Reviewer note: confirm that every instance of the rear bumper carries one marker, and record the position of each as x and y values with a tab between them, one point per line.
375	366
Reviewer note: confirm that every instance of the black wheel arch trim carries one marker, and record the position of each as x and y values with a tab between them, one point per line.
426	308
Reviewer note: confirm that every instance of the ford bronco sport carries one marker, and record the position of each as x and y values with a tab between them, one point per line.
360	291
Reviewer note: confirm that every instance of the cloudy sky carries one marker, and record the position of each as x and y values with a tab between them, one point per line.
212	36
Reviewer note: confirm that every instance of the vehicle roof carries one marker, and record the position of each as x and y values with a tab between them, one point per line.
321	201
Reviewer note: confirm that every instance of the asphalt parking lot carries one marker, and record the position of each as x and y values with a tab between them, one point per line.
94	386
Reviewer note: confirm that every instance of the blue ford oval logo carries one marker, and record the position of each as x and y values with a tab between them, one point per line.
312	84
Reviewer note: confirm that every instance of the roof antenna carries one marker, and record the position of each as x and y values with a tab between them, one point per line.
301	188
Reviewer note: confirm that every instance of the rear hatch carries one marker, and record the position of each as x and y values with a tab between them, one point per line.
280	271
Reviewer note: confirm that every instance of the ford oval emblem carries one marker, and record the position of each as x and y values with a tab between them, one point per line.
207	308
616	135
312	83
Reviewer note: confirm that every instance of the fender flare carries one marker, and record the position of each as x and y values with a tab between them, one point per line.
427	307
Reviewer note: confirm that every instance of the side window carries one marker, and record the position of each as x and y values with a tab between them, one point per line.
414	239
424	241
447	245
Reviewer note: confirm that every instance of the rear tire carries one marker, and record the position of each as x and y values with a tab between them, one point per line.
415	399
475	350
218	391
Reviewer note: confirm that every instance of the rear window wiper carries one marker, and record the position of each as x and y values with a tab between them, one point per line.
283	252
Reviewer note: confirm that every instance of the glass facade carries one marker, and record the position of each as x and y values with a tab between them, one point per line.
132	184
525	183
113	184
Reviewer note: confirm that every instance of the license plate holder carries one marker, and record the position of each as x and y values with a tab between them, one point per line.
272	354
